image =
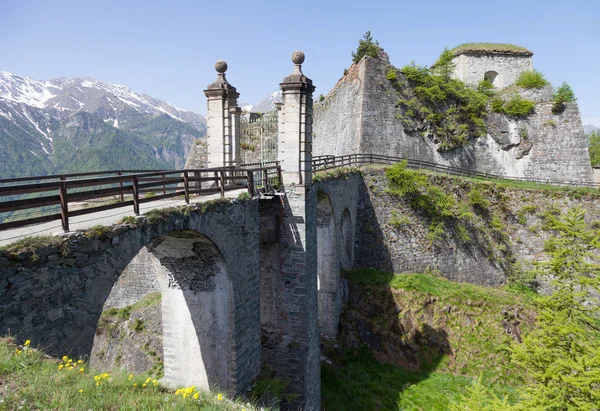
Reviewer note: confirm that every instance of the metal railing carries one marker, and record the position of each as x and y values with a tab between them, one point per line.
327	162
128	187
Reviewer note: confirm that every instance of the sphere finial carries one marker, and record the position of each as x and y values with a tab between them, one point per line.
298	57
221	66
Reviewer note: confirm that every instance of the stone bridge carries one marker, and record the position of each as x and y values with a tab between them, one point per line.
244	283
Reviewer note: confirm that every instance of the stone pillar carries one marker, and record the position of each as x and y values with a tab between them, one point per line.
222	121
295	132
296	337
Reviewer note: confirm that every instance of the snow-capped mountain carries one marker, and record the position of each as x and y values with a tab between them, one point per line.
45	126
265	105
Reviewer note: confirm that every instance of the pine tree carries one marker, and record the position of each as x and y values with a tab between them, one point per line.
366	47
562	355
444	66
479	398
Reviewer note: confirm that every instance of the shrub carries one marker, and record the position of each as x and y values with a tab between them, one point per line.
366	47
517	106
244	196
444	66
441	105
391	74
531	79
486	87
563	94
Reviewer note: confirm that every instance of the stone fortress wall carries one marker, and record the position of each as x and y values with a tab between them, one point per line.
359	115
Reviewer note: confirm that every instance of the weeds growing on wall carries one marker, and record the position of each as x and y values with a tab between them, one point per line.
516	106
562	95
438	106
531	79
29	245
471	219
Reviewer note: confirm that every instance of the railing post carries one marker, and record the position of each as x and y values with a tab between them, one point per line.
186	187
280	178
121	186
222	180
64	205
164	186
250	183
198	183
136	198
266	180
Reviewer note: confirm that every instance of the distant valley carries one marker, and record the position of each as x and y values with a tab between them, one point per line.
76	125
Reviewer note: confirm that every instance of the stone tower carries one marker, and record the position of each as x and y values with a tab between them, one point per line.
501	64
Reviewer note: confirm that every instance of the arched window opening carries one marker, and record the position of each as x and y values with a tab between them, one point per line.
490	76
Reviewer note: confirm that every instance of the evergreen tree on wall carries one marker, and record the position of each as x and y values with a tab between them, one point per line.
366	47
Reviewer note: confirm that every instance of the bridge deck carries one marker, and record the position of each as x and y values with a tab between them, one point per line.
105	218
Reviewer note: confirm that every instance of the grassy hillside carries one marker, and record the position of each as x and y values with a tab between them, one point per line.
31	381
416	341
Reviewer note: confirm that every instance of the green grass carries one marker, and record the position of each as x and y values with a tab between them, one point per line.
29	245
125	312
390	319
449	291
31	381
490	48
360	382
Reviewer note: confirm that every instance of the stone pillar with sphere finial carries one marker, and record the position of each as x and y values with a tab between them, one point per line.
292	349
295	137
222	121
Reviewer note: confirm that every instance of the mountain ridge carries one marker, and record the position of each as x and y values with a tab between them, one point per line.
37	117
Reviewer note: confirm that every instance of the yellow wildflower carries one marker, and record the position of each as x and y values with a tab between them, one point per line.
65	358
80	391
130	377
80	361
27	343
155	382
135	384
81	369
60	367
196	396
220	397
144	385
69	360
19	352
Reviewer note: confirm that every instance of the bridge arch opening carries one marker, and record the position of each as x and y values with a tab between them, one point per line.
328	271
346	241
195	312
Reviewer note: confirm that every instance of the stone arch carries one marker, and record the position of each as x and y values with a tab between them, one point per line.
491	76
346	240
196	308
327	266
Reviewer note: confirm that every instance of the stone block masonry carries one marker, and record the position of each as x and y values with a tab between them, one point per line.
56	301
360	116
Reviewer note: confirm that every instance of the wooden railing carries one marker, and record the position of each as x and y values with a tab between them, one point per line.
127	189
320	163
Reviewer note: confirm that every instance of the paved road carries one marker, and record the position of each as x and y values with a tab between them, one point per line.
105	218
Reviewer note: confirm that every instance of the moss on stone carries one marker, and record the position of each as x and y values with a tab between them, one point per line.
491	48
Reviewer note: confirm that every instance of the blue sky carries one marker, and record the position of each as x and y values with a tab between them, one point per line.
167	49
